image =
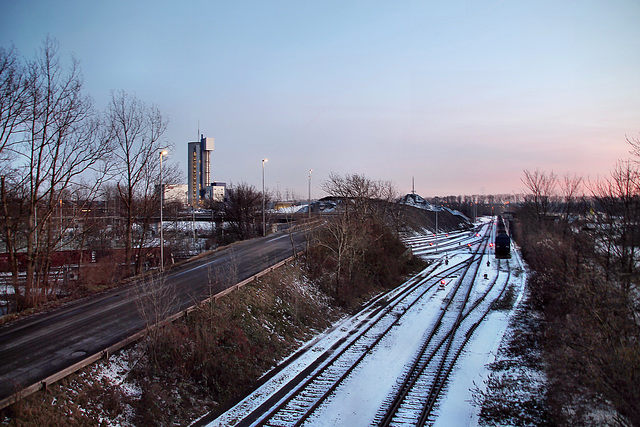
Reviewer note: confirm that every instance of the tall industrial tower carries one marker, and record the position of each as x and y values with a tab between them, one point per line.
199	162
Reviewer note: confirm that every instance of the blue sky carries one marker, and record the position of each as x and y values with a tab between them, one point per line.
461	95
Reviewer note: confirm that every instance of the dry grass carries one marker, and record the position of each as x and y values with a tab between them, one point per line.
198	364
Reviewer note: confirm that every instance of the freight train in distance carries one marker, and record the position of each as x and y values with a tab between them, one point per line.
503	241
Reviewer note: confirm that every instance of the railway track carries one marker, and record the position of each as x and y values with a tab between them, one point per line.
414	399
443	342
431	244
309	392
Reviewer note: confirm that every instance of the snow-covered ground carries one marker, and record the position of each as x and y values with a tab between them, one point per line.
455	407
358	399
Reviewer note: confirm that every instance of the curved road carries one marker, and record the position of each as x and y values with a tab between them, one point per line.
38	346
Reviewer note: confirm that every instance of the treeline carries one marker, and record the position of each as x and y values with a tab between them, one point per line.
584	281
476	205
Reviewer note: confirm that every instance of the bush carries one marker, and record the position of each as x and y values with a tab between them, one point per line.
513	394
221	349
591	338
506	300
351	260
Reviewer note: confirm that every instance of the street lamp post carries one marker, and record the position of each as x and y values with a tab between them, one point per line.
310	170
264	222
162	154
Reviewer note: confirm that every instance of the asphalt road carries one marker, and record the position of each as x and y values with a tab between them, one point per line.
38	346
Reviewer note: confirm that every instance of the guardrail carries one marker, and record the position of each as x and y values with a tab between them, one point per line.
43	384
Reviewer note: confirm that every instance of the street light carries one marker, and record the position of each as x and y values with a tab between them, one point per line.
162	154
264	222
310	170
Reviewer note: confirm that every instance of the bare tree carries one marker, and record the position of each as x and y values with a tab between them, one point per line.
13	212
586	283
338	238
244	210
12	117
361	196
541	190
135	131
12	101
618	198
635	148
156	299
571	192
58	143
363	211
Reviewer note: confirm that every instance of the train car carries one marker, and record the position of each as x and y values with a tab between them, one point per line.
503	246
501	226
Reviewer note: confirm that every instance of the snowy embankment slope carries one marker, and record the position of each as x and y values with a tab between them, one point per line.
360	396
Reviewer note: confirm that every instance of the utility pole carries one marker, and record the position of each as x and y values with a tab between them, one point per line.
264	218
162	154
436	229
310	170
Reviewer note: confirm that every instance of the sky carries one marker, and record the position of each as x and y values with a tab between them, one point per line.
461	96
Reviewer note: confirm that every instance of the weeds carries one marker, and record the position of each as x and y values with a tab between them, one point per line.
193	366
514	393
505	302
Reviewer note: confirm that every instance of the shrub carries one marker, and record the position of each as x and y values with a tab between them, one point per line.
591	338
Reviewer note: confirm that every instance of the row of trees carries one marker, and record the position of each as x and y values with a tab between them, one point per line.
56	149
609	205
478	204
581	241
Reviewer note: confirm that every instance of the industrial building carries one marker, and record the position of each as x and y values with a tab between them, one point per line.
200	186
